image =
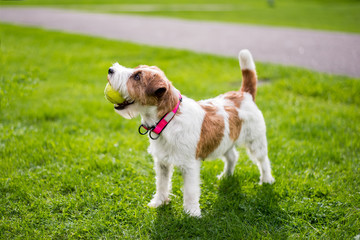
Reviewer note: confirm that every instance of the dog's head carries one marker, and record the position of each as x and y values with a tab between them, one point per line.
143	88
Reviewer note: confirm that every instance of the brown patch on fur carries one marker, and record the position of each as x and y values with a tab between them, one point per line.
141	66
249	82
234	122
151	67
152	89
212	132
235	97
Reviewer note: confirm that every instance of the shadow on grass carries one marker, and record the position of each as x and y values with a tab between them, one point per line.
233	215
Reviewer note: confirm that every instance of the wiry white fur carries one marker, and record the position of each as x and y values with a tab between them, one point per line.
178	142
246	61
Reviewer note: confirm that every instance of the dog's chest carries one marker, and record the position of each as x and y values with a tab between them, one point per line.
177	142
171	150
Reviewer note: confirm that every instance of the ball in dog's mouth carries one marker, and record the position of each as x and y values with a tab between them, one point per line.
123	105
115	97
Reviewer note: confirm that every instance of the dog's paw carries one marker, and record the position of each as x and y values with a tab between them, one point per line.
224	175
221	176
193	211
268	179
155	202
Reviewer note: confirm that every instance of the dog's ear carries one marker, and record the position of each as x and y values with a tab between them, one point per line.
157	87
160	92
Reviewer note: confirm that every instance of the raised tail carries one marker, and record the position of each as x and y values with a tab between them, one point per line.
247	66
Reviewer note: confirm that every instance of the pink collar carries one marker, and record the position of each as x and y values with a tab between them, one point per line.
164	121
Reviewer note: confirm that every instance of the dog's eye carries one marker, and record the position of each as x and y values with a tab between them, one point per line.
137	76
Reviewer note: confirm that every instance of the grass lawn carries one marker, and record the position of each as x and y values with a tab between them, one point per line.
315	14
70	167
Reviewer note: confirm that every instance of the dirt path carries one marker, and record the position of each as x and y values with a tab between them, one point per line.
331	52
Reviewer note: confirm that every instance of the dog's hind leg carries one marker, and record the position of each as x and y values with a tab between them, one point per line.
163	184
258	154
265	170
230	158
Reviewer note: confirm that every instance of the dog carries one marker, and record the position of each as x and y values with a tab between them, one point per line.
183	132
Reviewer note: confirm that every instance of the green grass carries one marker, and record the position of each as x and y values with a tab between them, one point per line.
72	168
315	14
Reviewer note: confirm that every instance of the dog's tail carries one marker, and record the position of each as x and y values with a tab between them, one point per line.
247	66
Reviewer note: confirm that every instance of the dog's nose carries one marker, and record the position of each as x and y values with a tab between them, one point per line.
111	71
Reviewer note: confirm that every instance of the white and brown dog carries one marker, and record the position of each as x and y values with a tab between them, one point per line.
183	132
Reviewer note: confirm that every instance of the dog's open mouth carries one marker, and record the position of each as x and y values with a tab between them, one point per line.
123	105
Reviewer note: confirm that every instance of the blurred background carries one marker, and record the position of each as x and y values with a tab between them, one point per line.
315	14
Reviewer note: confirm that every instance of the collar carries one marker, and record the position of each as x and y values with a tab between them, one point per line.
160	126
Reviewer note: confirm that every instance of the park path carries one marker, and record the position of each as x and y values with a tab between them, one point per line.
330	52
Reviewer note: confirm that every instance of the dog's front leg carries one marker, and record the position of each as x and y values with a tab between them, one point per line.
191	175
163	184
